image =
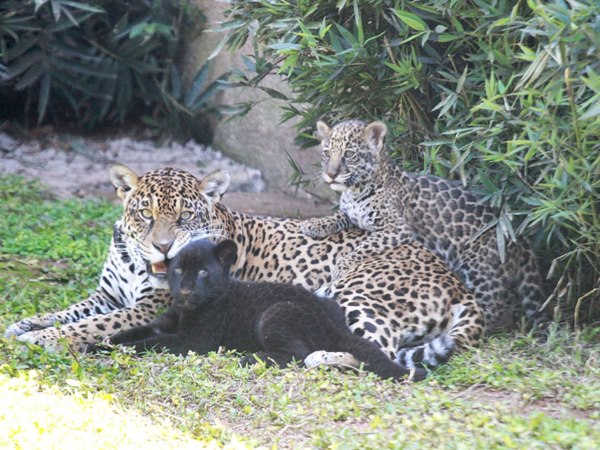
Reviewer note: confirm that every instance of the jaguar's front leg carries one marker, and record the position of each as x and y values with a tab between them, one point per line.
94	329
106	298
321	227
97	303
31	324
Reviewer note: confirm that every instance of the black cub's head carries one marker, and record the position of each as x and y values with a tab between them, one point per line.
200	271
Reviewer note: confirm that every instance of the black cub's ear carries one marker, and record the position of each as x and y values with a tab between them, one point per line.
226	252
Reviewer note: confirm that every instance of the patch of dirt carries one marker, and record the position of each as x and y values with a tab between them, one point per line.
77	166
515	402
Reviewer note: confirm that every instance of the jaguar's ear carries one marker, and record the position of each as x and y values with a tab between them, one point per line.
323	131
226	252
123	179
374	134
214	185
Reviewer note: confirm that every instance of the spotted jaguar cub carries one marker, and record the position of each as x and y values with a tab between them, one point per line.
399	207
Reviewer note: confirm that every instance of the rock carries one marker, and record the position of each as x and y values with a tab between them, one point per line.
259	139
78	166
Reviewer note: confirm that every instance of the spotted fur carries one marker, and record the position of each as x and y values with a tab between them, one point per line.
401	298
398	207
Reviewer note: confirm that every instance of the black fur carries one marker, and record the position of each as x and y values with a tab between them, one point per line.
277	322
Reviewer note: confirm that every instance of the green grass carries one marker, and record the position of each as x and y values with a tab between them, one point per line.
512	392
51	252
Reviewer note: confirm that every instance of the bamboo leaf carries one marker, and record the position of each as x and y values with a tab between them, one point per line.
410	19
23	63
217	49
196	87
82	6
284	46
203	99
358	22
501	244
275	93
20	48
347	35
592	111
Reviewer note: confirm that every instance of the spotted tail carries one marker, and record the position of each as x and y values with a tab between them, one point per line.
430	354
466	329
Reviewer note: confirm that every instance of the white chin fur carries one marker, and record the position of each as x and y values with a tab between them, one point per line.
338	187
159	283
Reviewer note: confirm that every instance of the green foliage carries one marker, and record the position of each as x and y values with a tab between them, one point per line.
503	95
94	62
185	110
47	228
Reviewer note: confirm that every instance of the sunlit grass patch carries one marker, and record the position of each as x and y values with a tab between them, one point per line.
37	415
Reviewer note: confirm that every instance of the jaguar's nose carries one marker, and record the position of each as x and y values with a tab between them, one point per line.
163	246
329	176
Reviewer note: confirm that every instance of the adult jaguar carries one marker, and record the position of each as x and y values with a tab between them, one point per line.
400	298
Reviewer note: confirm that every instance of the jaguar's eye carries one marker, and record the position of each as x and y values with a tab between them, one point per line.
202	273
350	154
146	214
326	153
186	215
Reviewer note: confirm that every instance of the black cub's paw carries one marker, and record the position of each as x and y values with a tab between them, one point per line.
104	346
248	360
96	348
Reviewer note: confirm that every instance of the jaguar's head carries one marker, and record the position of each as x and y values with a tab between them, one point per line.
165	209
350	151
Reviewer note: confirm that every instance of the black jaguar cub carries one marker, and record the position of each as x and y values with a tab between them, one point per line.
278	322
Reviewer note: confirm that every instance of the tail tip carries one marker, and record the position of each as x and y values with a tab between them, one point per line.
417	374
430	354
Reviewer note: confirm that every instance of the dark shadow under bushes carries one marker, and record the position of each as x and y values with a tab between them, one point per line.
101	62
504	96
